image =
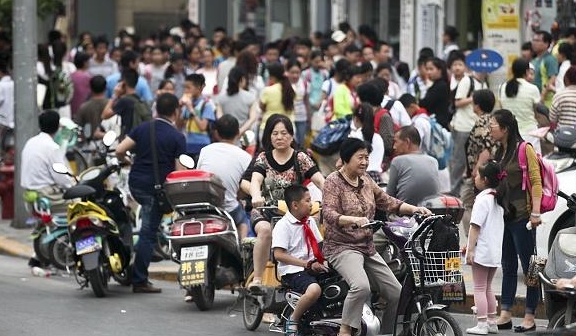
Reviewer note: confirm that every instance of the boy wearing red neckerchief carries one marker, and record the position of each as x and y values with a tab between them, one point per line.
295	241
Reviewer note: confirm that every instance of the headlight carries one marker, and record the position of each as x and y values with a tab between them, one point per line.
562	164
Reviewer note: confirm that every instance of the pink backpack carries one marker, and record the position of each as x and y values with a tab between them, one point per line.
549	179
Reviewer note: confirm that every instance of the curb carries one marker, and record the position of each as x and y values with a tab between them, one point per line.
16	249
517	310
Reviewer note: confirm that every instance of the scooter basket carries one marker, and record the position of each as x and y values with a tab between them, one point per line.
440	268
194	186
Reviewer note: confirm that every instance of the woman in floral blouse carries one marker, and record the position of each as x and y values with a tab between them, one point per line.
276	168
350	199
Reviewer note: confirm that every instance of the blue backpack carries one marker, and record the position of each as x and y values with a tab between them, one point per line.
441	144
330	137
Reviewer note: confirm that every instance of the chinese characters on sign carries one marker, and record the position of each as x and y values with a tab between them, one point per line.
192	273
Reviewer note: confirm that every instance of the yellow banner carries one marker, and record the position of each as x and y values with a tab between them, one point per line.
500	14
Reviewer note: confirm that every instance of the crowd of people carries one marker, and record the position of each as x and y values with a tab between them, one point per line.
206	92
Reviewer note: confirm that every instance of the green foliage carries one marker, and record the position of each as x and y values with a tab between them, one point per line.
45	8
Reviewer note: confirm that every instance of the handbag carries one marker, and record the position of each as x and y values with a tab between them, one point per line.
537	265
164	206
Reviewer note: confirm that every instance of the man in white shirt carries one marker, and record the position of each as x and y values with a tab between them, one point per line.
6	101
228	162
397	111
38	156
420	119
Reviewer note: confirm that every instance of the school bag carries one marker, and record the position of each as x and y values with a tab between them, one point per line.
548	175
441	144
62	88
330	137
452	107
562	257
142	111
381	112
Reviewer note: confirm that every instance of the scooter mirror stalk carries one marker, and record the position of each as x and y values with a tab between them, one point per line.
109	138
187	161
60	168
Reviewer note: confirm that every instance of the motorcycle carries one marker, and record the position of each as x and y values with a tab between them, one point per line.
50	236
565	316
324	318
99	227
203	236
564	161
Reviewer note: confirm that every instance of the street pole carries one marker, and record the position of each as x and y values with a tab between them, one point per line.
24	35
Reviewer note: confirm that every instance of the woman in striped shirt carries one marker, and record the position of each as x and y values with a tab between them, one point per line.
563	109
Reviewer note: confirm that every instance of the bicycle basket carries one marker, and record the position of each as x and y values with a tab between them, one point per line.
440	268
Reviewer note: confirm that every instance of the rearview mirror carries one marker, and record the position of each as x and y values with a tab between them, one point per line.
60	168
187	161
248	138
109	138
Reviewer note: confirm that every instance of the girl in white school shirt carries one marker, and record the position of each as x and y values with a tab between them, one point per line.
484	239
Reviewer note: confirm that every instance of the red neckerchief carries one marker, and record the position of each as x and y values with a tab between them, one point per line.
421	110
311	240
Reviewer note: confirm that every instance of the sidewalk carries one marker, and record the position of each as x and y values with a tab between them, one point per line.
17	243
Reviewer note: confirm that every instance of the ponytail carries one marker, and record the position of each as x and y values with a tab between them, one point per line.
365	113
512	88
277	71
496	179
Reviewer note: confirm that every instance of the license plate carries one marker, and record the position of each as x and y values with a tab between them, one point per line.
87	245
194	253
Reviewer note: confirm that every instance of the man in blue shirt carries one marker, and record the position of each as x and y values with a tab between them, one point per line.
197	115
545	66
129	60
170	144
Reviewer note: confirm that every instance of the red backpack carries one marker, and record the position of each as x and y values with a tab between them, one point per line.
381	112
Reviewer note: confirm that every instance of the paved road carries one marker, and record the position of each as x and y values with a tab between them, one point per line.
54	306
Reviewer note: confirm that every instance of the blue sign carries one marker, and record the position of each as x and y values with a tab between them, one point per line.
484	60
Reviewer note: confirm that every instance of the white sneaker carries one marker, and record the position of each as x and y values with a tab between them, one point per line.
492	328
478	330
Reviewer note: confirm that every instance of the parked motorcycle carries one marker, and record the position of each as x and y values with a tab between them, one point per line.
565	316
50	236
564	161
99	228
203	236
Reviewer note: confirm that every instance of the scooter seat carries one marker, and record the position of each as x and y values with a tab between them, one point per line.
79	191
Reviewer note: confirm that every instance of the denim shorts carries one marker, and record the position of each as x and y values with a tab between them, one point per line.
239	215
300	281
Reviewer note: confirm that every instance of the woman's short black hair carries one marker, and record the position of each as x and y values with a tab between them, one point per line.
272	121
350	146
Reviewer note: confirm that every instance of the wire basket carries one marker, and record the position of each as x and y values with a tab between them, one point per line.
440	268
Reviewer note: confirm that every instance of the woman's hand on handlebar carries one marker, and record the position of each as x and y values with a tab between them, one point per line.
422	211
258	202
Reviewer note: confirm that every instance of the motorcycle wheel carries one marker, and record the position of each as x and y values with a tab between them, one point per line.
251	310
203	296
559	319
124	278
61	253
98	279
41	250
437	323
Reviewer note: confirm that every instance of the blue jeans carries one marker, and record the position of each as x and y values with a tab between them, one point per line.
151	218
301	131
518	242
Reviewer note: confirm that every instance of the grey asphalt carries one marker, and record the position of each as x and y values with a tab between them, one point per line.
55	306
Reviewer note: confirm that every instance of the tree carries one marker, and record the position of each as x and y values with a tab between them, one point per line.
44	8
